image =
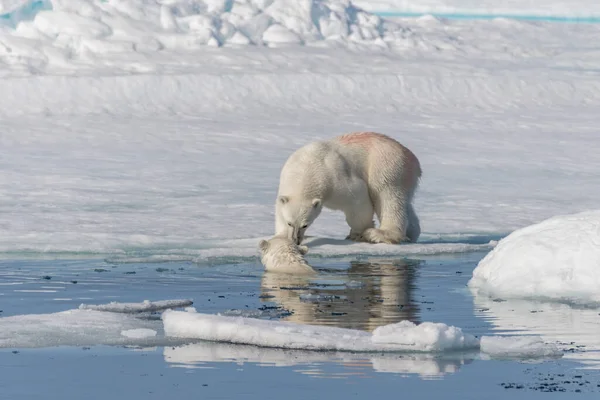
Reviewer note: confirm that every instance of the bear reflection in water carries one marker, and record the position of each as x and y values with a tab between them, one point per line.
365	296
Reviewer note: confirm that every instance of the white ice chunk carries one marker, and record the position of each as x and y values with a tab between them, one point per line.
557	259
404	336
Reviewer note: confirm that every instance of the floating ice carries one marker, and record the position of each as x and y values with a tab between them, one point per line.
85	327
557	259
73	328
110	324
403	336
145	306
518	347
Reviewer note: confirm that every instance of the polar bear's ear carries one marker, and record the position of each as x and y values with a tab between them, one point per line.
283	199
263	245
316	203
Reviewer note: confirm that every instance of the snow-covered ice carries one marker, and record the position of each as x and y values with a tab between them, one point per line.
556	259
128	139
403	336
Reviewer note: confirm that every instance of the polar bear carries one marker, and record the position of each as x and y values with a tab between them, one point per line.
361	174
281	254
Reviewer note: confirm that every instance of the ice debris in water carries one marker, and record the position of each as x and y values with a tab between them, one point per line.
518	347
145	306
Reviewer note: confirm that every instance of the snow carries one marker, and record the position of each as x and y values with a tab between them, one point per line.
518	347
556	259
124	135
403	336
85	31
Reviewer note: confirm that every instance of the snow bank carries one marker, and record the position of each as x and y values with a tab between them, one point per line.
557	259
89	29
131	308
518	347
403	336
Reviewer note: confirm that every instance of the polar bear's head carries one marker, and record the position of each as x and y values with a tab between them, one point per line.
295	215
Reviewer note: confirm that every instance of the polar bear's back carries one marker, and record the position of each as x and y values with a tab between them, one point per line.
317	167
387	161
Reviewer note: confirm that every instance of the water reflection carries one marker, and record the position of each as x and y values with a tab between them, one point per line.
365	296
575	329
314	363
362	296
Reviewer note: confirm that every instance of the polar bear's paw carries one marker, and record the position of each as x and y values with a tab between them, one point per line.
374	235
355	236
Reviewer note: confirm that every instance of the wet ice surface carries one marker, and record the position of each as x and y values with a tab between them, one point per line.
357	295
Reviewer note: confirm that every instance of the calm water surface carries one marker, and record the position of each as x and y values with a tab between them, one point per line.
350	294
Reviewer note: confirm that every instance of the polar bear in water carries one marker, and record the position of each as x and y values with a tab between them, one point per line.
281	254
361	174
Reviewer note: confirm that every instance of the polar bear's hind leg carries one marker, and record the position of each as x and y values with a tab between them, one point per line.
359	212
391	209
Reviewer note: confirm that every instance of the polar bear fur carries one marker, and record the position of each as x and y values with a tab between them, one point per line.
280	254
360	174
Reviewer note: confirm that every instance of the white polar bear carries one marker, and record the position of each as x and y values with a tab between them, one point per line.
361	174
280	254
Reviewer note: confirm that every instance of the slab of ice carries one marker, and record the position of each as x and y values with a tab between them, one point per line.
131	308
74	328
518	347
108	324
557	259
403	336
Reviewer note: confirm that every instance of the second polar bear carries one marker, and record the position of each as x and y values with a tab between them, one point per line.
280	254
360	174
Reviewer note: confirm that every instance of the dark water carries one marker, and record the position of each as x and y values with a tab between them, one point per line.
358	295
